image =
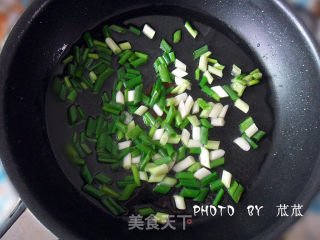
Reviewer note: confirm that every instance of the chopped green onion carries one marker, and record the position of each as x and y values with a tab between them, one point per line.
204	135
102	178
258	135
217	162
202	195
230	92
127	192
191	30
135	30
208	179
117	28
189	193
218	197
251	142
177	36
86	174
216	185
165	46
94	192
200	51
162	188
146	211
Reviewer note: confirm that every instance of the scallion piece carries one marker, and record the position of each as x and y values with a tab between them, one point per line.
165	46
218	197
202	195
177	36
204	135
68	59
189	193
230	92
200	51
127	192
194	167
208	179
184	175
100	80
146	211
257	137
251	142
217	162
135	30
136	174
117	28
102	178
216	185
86	174
191	30
93	191
162	188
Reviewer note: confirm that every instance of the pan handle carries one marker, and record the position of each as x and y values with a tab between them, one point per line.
14	216
22	225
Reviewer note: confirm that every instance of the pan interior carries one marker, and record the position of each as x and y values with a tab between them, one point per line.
226	47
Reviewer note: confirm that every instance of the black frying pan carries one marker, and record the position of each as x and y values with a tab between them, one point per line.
251	33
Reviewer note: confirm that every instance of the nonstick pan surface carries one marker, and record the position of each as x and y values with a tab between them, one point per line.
248	33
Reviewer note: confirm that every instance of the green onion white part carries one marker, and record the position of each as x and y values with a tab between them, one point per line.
148	31
113	46
136	160
196	133
201	173
220	91
184	164
218	122
215	71
157	135
120	97
243	106
179	202
195	108
124	145
224	111
204	157
251	130
242	143
226	178
203	63
127	161
219	153
185	136
217	108
236	71
192	143
157	110
131	95
180	65
164	138
181	98
179	73
141	110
